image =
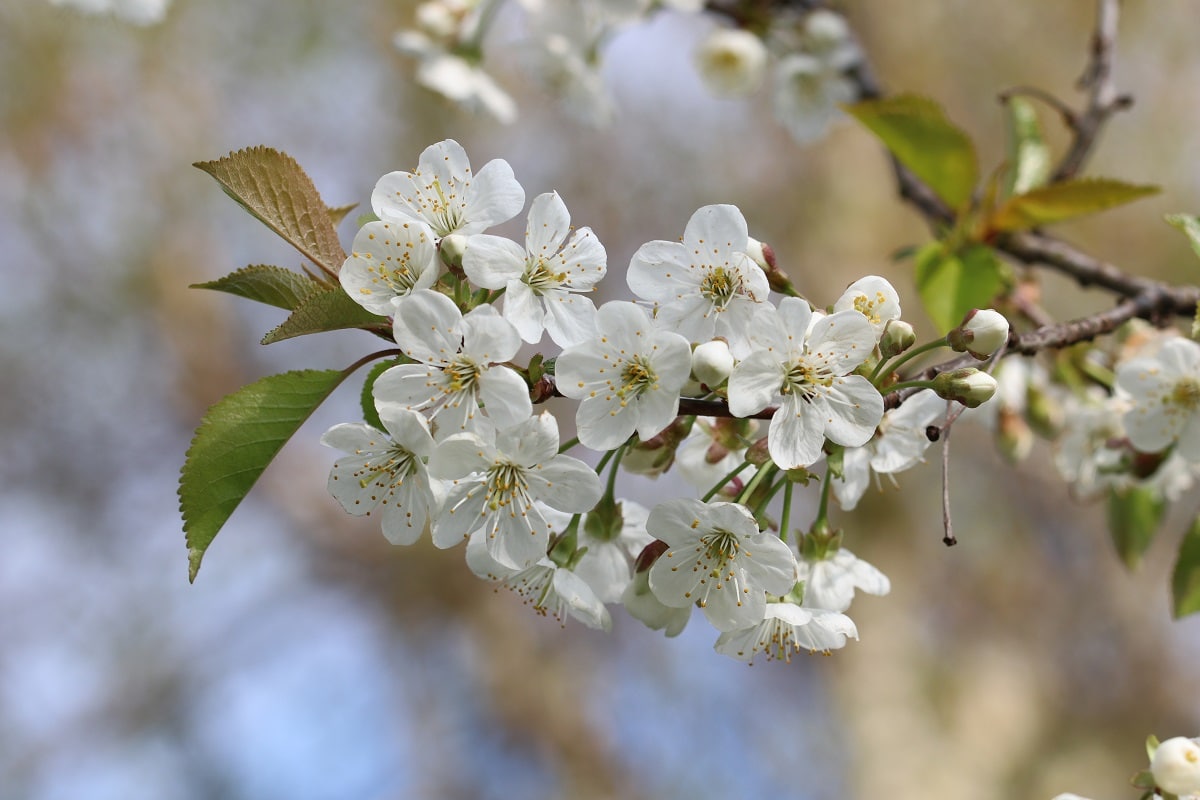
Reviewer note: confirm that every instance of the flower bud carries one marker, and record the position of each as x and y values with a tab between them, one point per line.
981	333
642	605
712	362
656	455
732	61
452	248
824	30
1176	766
968	386
437	20
760	253
897	337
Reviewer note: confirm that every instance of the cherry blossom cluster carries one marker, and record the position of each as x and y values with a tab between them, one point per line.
796	394
808	55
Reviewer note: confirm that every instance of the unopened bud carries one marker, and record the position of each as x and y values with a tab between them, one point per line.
897	337
732	61
452	248
1176	766
760	253
982	332
712	362
968	386
757	453
656	455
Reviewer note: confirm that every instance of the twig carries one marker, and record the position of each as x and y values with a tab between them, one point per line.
1103	98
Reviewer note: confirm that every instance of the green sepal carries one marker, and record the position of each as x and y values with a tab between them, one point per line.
331	310
1134	515
367	397
918	134
236	440
1151	748
951	283
605	522
275	190
1063	201
1143	779
1029	162
1185	580
268	284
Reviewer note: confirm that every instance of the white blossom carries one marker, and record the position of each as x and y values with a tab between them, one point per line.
706	285
551	590
443	193
1165	394
873	297
457	366
627	379
607	566
806	364
717	558
1176	766
643	606
385	470
389	260
544	282
135	12
495	478
785	629
830	583
565	54
732	61
899	443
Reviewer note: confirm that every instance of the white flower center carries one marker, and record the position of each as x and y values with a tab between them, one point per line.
720	286
444	212
539	277
870	308
636	377
806	380
461	375
720	547
1185	394
506	483
395	462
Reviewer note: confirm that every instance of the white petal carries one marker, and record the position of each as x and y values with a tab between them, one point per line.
856	472
570	318
754	383
548	226
602	423
658	271
566	484
494	196
492	261
505	395
796	435
524	311
427	327
488	337
854	410
531	442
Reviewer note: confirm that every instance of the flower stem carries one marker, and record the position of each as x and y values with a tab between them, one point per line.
785	519
822	520
733	473
567	445
903	359
910	385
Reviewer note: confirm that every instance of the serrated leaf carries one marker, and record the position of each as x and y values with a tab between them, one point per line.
917	133
1190	226
1185	581
339	213
330	310
1133	519
1029	164
367	398
1063	201
272	187
237	439
268	284
952	283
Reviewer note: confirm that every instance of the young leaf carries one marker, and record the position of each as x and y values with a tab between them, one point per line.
272	187
917	133
370	415
1063	201
1133	518
951	284
331	310
1185	582
340	212
236	440
264	283
1189	225
1028	154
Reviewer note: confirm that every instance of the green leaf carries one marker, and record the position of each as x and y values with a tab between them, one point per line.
1029	164
264	283
952	283
330	310
1189	225
917	133
1133	518
1151	748
370	415
1063	201
236	440
1185	582
1144	779
272	187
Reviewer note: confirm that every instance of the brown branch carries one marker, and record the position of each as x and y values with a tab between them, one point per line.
1103	98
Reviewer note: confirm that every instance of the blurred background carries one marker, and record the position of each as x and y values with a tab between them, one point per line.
311	660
